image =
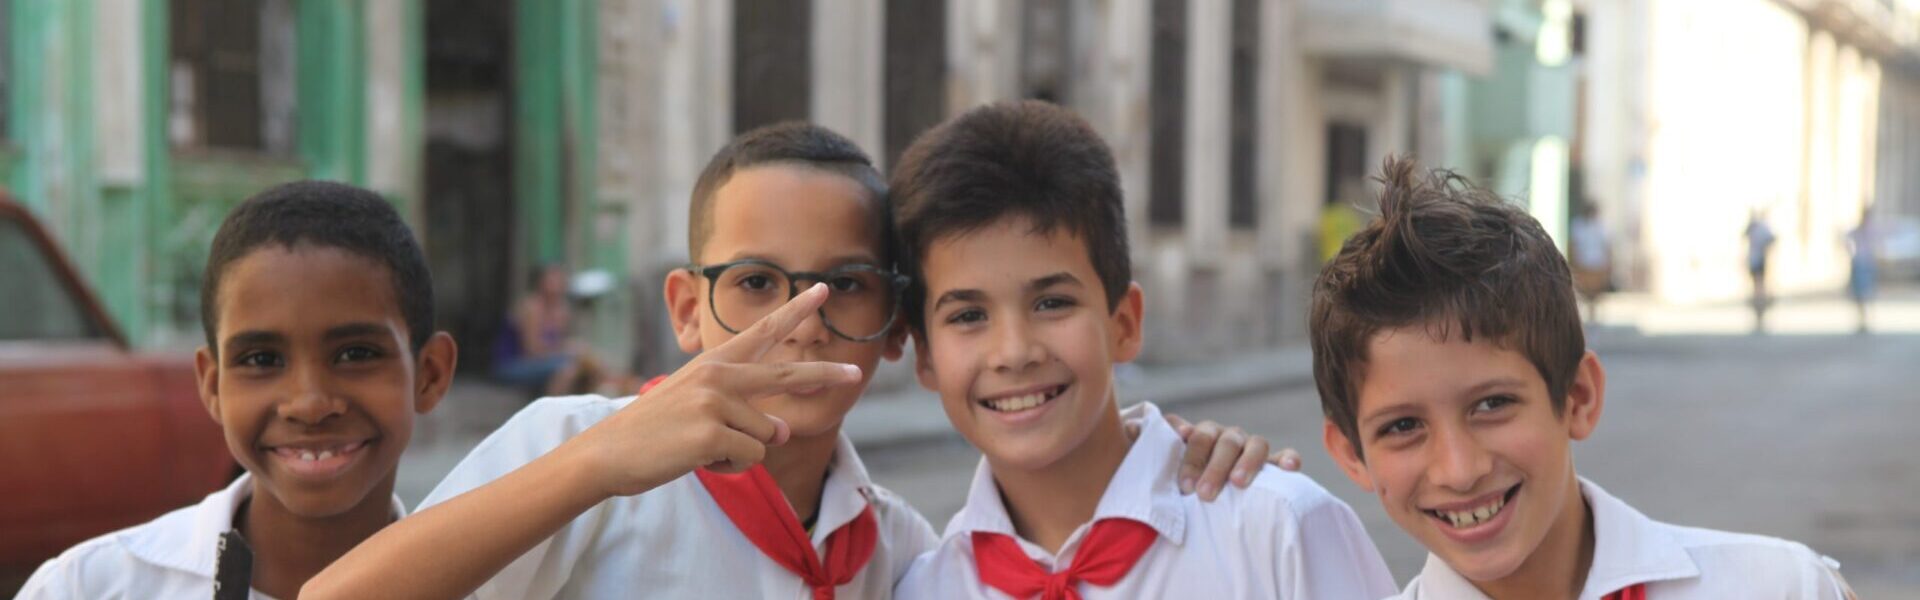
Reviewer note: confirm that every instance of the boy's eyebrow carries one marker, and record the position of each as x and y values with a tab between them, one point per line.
866	258
254	338
352	330
968	295
1493	384
1061	278
1038	284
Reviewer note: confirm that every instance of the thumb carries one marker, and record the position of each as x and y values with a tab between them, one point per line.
781	431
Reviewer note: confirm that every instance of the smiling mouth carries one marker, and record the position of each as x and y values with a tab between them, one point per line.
1020	402
315	454
1469	517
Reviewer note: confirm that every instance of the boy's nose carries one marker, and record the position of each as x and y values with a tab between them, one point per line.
1014	346
811	332
308	401
1458	462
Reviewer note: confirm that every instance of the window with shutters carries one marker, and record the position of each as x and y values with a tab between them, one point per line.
1243	203
231	75
772	62
916	71
1167	105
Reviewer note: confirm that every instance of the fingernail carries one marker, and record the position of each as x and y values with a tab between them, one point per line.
1186	485
1206	490
1240	475
853	372
817	286
1290	462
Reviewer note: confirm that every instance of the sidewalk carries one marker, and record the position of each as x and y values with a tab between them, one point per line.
899	414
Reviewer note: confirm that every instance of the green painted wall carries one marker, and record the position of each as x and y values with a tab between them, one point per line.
142	243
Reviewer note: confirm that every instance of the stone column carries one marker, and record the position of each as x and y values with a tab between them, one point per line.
849	50
394	161
983	52
1208	121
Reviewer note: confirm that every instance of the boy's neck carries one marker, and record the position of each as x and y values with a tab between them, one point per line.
800	467
1558	566
289	549
1047	504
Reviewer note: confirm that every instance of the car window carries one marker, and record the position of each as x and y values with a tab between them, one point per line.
36	304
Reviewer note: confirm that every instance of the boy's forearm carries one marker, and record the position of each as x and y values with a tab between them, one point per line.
450	549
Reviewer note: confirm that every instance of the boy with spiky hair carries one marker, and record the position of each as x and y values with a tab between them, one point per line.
1011	222
1455	377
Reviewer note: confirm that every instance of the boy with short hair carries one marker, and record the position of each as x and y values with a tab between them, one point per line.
318	314
589	497
1454	376
1011	220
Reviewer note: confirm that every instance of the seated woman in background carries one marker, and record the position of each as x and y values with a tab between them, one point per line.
535	351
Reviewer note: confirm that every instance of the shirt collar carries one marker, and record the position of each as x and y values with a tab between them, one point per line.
1628	548
190	542
846	492
1142	489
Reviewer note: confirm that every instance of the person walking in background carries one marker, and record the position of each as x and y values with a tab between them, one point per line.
1863	245
1591	252
1760	239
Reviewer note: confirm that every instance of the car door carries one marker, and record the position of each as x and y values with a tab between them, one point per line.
83	437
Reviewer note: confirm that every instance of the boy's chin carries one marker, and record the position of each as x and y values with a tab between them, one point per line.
340	499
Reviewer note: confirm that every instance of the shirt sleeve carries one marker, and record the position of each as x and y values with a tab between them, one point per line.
539	428
1326	553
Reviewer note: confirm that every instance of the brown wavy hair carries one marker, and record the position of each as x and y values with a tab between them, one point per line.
1456	259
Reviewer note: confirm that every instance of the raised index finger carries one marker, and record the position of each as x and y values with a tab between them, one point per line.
770	329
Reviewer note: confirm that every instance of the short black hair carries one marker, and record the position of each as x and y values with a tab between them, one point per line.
789	142
1023	158
324	214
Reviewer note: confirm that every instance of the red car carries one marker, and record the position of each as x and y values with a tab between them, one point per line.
93	437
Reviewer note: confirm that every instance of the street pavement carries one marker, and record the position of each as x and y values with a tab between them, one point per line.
1805	432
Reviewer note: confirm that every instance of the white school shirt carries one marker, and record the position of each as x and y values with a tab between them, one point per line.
1283	537
1675	562
169	557
672	541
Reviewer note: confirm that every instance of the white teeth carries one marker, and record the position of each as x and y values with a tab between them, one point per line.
326	454
1017	403
307	455
1471	517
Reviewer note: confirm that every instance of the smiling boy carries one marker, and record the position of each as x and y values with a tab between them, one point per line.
320	352
1454	375
1011	219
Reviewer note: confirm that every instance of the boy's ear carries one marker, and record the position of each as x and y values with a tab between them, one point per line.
896	342
923	363
206	373
1346	455
1586	397
1125	324
683	308
433	371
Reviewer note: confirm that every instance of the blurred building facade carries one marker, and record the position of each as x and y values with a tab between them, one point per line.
1695	114
1234	121
514	133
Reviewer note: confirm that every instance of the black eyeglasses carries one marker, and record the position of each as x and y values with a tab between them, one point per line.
862	300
